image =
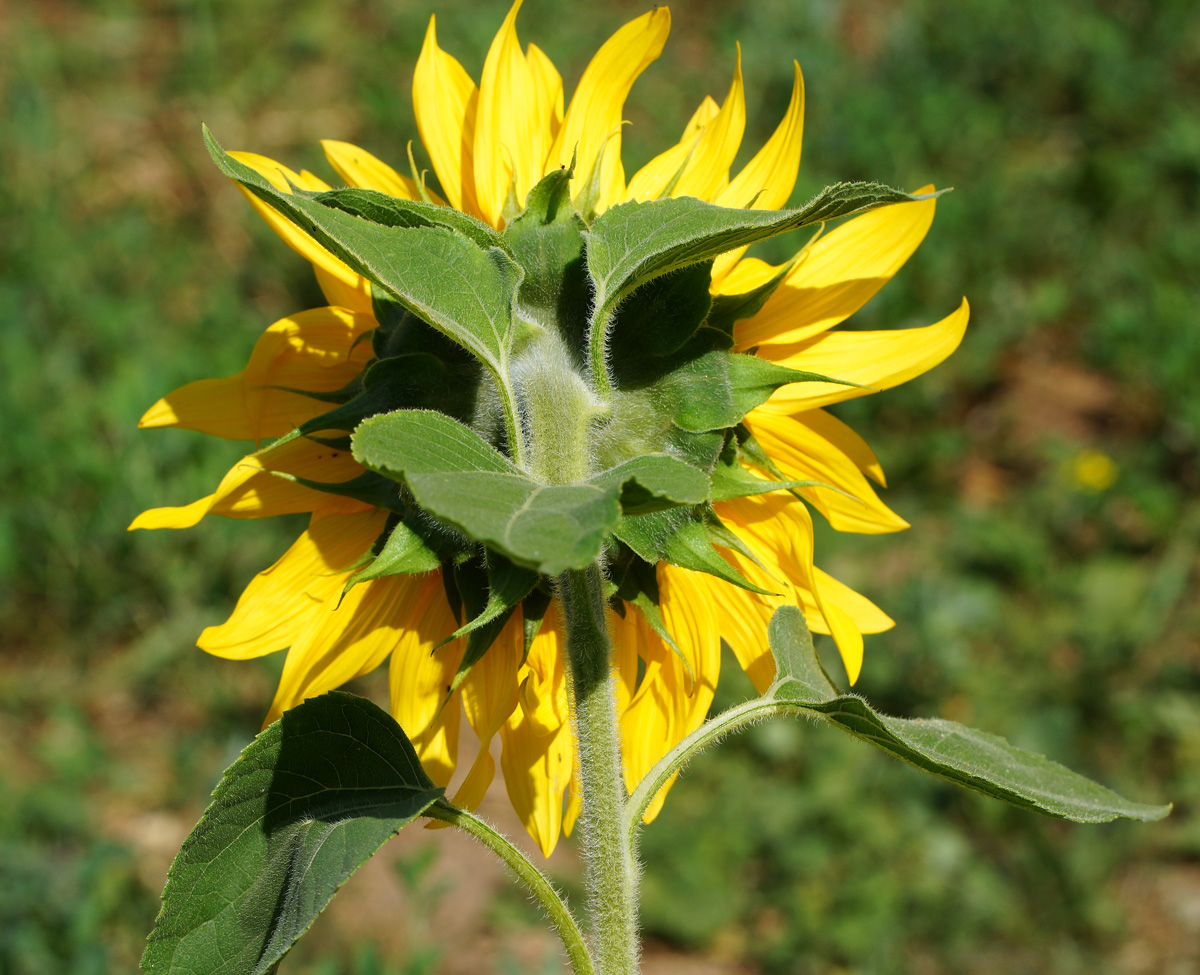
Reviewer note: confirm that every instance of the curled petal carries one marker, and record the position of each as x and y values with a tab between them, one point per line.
839	273
315	350
594	116
878	360
283	601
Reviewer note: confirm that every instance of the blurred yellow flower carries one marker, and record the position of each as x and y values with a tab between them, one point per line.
506	132
1093	470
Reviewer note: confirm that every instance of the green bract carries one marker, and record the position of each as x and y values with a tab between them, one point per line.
549	395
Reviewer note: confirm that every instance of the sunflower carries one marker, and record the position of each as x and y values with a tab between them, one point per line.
362	584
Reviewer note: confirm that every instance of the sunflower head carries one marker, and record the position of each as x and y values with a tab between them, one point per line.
539	365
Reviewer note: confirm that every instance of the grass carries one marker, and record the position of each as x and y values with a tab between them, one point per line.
1028	604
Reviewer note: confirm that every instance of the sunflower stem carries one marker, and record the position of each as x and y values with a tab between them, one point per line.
611	867
534	880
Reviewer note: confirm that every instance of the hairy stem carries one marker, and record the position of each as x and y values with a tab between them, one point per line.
612	876
534	880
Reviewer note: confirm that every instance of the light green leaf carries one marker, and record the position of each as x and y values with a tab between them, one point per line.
456	476
654	482
508	585
440	275
392	211
964	756
752	381
308	801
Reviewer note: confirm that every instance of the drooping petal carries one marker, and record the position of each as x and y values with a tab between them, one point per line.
846	440
592	123
839	273
444	102
866	616
353	290
419	679
359	168
538	755
489	695
766	181
281	602
689	618
778	530
314	350
511	137
879	360
803	454
350	638
251	490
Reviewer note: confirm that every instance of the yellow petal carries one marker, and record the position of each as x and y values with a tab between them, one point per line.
444	101
708	168
594	115
355	296
419	679
804	455
250	490
847	441
538	755
688	616
359	168
349	639
879	360
489	695
651	180
778	530
839	273
279	175
314	350
864	614
548	85
767	180
511	138
749	274
281	602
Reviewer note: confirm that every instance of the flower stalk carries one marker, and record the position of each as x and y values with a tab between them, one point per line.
611	867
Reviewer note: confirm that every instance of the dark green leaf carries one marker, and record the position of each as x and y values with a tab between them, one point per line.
728	310
632	243
308	801
752	381
404	553
507	586
679	536
964	756
440	275
660	316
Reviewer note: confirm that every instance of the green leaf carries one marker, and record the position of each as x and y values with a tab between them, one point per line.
507	586
964	756
547	240
659	317
728	310
405	552
654	482
679	536
752	381
440	275
308	801
730	479
633	243
462	480
416	380
392	211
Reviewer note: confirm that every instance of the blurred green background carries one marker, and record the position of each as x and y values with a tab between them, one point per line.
1062	615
